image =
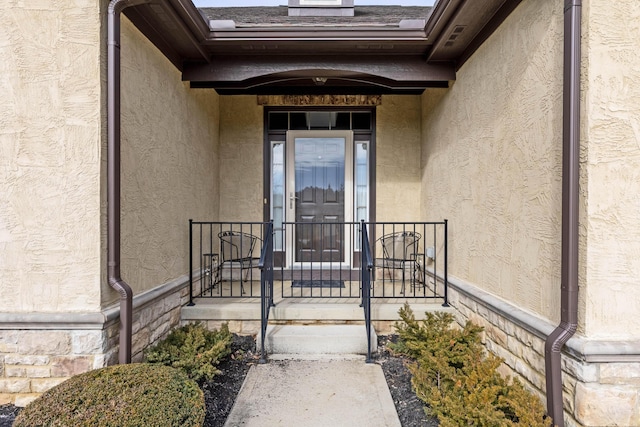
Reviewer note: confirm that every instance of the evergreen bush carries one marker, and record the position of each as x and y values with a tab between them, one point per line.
193	349
133	395
458	380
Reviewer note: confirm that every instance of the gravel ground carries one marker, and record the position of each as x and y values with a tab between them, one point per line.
221	392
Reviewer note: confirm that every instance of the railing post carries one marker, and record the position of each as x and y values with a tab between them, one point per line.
446	262
266	287
365	266
191	263
271	266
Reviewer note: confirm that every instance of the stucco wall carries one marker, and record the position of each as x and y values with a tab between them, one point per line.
241	142
398	159
50	136
397	151
610	178
169	164
492	160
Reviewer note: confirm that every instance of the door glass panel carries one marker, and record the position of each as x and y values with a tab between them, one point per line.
277	192
361	185
361	174
319	198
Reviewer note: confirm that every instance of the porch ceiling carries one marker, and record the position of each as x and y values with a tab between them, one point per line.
386	49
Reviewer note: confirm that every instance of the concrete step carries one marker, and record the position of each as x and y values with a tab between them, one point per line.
317	339
230	309
243	315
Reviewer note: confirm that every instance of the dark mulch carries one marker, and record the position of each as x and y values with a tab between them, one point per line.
220	393
7	414
411	410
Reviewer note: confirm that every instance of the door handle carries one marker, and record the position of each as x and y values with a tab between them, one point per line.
291	199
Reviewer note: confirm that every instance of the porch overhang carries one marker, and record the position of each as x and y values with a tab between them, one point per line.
278	55
272	75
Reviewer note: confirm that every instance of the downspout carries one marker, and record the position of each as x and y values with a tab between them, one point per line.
113	175
570	206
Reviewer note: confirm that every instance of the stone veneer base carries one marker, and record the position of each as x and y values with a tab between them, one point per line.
40	350
601	379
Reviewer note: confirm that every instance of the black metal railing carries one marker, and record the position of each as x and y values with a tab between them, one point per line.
407	259
223	259
366	266
320	260
266	287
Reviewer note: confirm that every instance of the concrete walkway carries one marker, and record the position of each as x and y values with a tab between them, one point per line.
315	392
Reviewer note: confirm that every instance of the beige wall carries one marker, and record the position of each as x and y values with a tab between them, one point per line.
169	164
50	139
397	150
610	178
491	161
241	142
398	159
492	164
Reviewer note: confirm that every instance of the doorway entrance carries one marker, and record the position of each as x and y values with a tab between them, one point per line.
320	191
319	182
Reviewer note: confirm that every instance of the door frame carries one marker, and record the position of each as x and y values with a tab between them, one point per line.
279	134
290	190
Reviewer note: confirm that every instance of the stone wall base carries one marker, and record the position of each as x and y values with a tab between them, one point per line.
40	350
601	380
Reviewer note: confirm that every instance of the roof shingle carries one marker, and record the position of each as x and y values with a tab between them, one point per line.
255	17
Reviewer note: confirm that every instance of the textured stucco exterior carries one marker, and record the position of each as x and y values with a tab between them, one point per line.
492	164
485	153
56	316
241	159
492	161
170	166
398	160
610	176
50	140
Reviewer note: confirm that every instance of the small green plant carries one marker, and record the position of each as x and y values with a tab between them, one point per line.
459	382
193	349
121	395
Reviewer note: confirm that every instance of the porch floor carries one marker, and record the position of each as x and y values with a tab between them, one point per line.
390	290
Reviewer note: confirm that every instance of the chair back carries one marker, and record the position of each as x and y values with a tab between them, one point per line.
236	245
400	246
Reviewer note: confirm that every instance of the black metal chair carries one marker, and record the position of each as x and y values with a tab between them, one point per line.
238	248
399	251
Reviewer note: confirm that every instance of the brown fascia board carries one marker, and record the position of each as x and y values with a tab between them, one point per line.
264	85
167	30
192	18
315	90
440	16
243	68
316	34
150	30
496	20
471	24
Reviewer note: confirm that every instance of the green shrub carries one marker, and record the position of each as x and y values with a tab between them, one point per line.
193	349
120	395
459	382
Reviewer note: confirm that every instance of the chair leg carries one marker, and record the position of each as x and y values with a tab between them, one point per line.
246	275
419	277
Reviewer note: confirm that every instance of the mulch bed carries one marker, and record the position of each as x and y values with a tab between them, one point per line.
220	393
